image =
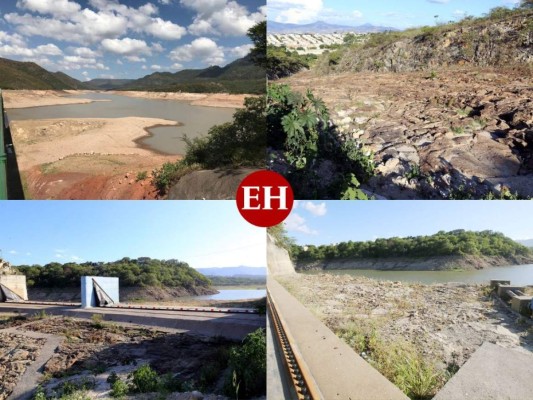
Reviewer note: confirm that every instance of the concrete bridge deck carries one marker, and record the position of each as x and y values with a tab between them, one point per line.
229	325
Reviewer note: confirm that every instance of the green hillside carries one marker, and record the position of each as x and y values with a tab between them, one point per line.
240	76
458	242
106	84
28	75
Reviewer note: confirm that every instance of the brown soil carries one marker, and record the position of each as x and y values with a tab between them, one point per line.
86	158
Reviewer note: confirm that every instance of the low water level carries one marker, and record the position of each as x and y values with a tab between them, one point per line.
234	294
195	120
517	274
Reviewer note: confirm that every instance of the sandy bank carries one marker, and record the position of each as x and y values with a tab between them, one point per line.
196	99
38	98
86	158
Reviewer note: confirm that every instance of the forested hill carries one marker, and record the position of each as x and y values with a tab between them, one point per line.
140	272
454	243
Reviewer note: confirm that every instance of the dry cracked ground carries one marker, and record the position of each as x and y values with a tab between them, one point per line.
454	133
89	352
446	323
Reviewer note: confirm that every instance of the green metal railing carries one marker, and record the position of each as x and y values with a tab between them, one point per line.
3	155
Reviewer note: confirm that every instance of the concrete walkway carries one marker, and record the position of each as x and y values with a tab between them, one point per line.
492	373
32	376
339	373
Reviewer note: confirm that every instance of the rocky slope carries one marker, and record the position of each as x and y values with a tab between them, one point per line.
495	41
461	133
415	264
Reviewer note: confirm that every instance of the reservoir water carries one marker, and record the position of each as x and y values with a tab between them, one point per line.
234	294
517	274
195	120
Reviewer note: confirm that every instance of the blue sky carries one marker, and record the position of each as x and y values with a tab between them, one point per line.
201	233
126	38
336	221
391	13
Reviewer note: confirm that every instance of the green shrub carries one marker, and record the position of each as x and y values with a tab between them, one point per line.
304	144
248	367
145	379
119	388
97	321
141	176
169	174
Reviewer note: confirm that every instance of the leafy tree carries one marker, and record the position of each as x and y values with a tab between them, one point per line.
257	35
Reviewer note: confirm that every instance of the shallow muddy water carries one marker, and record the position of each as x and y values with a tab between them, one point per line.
195	120
517	274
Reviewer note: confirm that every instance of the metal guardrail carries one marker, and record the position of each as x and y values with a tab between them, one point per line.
3	154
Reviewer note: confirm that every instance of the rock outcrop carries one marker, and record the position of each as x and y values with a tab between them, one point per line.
5	268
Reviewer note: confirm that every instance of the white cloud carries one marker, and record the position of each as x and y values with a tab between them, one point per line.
203	49
76	258
439	1
221	17
241	51
165	29
82	51
135	59
16	50
144	67
176	66
119	62
297	223
58	8
164	2
155	67
14	39
459	13
296	11
126	46
86	76
49	50
13	252
318	210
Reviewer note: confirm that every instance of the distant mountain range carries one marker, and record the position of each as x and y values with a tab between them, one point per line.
528	242
240	271
324	27
240	76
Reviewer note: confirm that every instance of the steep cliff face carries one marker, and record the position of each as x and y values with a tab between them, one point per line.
488	42
278	259
415	264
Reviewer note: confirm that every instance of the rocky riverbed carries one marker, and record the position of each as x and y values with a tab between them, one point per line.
90	351
17	352
446	323
451	133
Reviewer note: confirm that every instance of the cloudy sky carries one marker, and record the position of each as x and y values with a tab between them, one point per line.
201	233
393	13
339	221
126	38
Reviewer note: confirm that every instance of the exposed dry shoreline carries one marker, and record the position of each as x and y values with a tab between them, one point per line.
39	98
87	158
446	323
196	99
467	262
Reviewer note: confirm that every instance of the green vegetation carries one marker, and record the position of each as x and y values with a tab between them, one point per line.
235	144
304	144
400	362
238	281
279	233
282	62
28	75
143	271
248	367
141	176
145	379
458	242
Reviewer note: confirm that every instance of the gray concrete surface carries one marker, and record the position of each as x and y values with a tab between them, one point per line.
492	373
231	326
278	381
278	259
336	369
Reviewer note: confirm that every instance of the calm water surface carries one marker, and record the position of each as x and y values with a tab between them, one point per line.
196	120
234	294
518	274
